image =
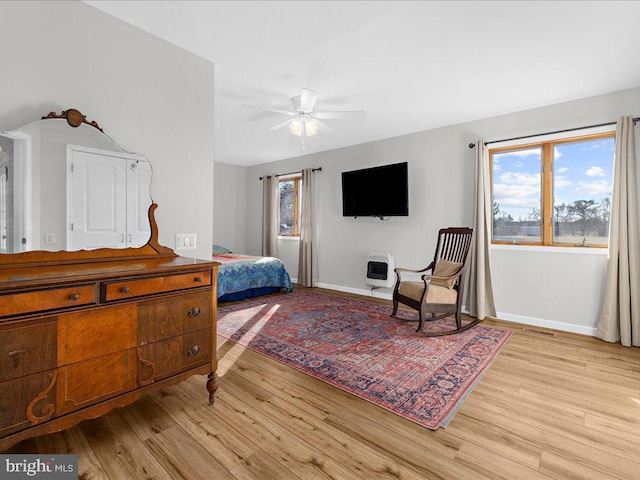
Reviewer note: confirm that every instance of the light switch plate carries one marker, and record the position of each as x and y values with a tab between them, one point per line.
186	241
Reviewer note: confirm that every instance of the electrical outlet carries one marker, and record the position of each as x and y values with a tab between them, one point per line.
186	241
338	264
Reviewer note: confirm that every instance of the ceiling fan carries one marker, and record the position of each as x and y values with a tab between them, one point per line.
305	120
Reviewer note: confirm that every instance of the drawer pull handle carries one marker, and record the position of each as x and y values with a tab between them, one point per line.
194	312
16	352
74	296
197	279
194	351
124	289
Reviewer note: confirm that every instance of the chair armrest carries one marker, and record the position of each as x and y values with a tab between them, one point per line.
428	267
451	277
398	271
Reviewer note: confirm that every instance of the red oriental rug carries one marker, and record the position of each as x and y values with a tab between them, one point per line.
356	346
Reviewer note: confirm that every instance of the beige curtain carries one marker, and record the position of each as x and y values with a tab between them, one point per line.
308	256
270	216
620	317
479	300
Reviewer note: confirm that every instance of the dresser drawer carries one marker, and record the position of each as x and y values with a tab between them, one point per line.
180	314
55	298
92	381
169	357
27	401
148	286
27	349
92	333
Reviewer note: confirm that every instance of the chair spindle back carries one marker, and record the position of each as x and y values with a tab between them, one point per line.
453	245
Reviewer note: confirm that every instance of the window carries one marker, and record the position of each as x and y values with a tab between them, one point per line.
553	193
289	207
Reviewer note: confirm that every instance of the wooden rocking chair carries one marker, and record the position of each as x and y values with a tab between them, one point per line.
440	293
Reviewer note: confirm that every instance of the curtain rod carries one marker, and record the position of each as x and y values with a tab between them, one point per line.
319	169
471	145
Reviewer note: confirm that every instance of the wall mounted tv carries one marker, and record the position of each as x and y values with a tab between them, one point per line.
376	192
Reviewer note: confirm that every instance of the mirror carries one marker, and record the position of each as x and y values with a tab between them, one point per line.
66	185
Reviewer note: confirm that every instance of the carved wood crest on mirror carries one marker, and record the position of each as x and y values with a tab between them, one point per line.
68	192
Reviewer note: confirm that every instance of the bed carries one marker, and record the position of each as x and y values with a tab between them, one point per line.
247	276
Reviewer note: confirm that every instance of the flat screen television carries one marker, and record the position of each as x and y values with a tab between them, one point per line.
376	192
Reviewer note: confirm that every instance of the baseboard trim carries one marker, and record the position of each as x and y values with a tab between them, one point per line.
357	291
552	324
509	317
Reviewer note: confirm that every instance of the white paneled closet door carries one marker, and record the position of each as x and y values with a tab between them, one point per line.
138	201
5	235
98	219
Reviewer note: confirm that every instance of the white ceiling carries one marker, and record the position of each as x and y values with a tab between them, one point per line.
411	65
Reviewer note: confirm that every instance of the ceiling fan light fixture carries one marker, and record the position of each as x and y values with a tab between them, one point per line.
310	127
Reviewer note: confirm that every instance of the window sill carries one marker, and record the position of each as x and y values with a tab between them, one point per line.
545	249
288	237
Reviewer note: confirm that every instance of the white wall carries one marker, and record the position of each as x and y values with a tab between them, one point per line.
230	206
150	96
555	288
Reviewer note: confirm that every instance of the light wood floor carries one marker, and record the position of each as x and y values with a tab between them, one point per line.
552	405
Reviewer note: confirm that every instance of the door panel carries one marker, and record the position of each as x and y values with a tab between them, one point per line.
138	201
97	189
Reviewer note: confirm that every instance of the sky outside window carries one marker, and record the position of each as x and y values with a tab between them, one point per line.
517	183
583	170
582	186
575	186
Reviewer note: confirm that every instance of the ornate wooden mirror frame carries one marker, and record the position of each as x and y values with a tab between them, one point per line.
150	250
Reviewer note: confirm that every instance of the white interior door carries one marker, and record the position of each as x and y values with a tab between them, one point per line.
99	219
13	193
5	235
138	201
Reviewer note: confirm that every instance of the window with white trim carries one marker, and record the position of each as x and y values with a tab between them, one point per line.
555	193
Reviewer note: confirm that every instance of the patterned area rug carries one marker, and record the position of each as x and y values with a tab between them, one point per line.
356	346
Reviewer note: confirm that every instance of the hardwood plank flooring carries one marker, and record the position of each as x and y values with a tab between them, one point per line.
553	405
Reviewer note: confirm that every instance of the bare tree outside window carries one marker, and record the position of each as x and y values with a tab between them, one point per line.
289	207
583	197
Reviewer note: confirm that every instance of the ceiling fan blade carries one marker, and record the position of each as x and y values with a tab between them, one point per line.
278	126
346	114
323	127
272	110
308	100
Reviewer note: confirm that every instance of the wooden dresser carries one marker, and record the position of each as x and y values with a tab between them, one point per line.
91	316
77	340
